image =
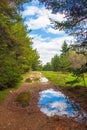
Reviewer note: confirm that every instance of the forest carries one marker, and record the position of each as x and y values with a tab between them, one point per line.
36	96
16	53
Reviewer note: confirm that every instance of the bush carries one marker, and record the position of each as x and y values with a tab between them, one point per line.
9	76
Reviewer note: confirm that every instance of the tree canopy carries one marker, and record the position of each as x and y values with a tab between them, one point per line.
75	12
59	62
16	53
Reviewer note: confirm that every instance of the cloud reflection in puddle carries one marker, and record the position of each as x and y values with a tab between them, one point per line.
56	103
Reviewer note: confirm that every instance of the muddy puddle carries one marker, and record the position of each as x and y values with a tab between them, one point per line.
53	102
33	79
43	80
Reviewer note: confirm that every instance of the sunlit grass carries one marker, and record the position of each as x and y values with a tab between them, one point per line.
64	79
4	93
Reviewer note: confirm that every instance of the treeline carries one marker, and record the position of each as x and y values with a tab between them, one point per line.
69	60
75	14
16	53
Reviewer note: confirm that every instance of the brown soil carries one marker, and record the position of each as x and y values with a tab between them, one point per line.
15	117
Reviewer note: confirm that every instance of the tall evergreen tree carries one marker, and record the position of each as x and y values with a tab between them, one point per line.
64	63
65	48
16	53
47	66
55	61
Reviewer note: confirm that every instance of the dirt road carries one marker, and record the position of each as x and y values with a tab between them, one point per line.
15	117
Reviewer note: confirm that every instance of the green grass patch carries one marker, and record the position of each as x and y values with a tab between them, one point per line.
3	94
25	75
23	99
64	79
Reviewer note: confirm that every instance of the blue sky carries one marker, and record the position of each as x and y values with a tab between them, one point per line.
46	40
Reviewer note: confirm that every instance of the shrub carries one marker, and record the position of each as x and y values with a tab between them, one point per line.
9	76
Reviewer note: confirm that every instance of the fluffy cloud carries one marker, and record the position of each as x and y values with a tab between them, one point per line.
30	10
53	31
47	48
40	17
40	22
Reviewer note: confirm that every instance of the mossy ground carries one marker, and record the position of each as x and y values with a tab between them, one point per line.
29	80
23	99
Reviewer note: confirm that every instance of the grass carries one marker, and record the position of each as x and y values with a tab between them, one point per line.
64	79
4	93
23	99
59	78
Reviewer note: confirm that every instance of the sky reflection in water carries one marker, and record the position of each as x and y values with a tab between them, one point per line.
56	103
43	79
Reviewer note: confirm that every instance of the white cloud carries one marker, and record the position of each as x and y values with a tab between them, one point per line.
47	48
30	10
39	19
53	92
42	19
53	31
56	107
60	109
40	22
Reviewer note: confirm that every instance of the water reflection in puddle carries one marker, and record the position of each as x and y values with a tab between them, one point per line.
34	79
56	103
43	79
